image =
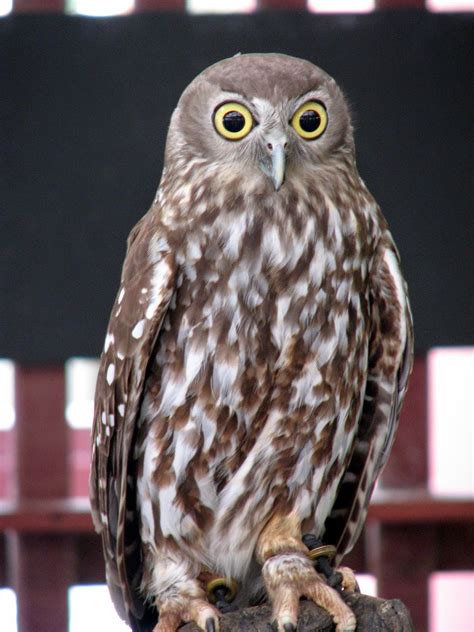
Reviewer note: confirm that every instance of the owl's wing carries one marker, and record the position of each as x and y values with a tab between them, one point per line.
389	365
146	288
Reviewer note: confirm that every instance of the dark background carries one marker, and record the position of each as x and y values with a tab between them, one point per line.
84	108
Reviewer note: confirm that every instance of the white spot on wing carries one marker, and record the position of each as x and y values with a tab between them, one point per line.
394	270
109	339
137	331
150	310
110	375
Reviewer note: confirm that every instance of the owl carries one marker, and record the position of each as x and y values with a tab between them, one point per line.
255	361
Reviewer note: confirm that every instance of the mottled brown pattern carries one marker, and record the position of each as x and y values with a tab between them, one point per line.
257	353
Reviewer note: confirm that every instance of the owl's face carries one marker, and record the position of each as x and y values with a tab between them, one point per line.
268	116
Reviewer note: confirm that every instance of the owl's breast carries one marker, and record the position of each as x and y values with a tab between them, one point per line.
262	313
259	370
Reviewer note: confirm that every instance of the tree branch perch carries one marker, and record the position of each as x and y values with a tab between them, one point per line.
373	615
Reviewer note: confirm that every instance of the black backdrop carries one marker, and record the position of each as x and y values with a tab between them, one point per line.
84	108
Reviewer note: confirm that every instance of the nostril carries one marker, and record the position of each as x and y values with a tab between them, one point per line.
270	146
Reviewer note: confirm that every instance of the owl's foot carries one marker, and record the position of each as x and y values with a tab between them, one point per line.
289	576
341	578
175	611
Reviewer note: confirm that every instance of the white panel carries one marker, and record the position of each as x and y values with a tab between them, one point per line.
5	7
100	7
367	584
81	375
451	420
221	6
341	6
7	394
451	597
8	610
91	610
450	5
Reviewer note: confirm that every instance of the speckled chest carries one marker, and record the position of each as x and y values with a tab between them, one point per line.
260	364
267	304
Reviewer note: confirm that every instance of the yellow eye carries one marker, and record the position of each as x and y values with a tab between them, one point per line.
233	120
310	120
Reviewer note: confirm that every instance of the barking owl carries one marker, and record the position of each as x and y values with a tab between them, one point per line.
256	358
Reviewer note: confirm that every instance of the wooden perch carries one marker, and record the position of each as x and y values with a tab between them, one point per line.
373	615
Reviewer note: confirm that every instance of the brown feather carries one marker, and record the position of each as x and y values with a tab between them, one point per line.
117	402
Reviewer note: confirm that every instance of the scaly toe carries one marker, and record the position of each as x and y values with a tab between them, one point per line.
194	609
330	600
168	622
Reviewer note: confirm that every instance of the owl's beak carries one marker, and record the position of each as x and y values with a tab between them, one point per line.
275	168
278	164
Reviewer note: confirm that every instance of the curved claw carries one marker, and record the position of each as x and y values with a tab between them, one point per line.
348	579
210	625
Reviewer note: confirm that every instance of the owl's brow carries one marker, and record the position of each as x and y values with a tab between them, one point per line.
307	94
231	94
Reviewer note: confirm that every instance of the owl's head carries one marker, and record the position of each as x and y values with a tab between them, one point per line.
265	115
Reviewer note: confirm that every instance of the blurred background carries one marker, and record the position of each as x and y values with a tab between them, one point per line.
87	88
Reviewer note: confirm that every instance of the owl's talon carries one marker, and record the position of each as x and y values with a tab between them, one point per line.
348	579
210	625
288	577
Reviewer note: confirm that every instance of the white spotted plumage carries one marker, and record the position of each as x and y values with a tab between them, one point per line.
257	354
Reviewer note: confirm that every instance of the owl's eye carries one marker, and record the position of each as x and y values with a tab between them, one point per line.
233	120
310	120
